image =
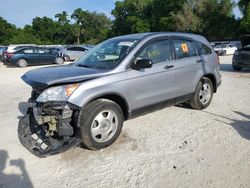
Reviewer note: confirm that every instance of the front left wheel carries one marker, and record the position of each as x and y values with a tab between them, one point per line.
100	123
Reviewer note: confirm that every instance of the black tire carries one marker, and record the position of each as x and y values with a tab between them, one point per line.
67	58
59	60
236	68
87	118
22	63
197	99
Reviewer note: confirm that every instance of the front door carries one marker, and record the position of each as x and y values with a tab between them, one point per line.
156	84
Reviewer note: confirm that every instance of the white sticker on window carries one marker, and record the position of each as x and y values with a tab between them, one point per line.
125	44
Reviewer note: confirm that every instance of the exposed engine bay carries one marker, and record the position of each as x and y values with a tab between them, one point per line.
49	128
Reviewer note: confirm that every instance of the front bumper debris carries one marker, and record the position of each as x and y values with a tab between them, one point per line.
34	138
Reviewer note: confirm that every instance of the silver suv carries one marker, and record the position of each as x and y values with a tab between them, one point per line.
85	103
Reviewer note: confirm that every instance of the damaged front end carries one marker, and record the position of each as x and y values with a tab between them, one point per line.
49	128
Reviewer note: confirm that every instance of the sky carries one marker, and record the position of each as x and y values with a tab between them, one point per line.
21	12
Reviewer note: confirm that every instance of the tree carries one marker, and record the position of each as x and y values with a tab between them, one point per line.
245	23
45	29
64	29
244	5
62	18
130	17
7	31
161	14
90	27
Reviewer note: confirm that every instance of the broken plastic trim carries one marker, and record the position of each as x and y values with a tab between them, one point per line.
32	137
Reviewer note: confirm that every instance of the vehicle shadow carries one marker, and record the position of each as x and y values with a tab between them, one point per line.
229	68
241	126
185	105
21	180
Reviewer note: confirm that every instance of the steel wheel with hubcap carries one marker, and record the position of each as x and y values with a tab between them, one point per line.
100	123
22	63
203	94
104	126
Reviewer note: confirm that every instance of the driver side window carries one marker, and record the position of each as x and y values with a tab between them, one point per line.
158	52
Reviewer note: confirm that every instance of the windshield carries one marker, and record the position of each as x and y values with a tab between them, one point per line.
108	54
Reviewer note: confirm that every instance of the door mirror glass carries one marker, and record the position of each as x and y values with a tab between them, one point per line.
142	64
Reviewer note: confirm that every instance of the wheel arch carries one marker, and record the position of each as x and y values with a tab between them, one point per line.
25	58
213	79
117	98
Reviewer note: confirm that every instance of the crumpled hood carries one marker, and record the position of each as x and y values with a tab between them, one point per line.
42	78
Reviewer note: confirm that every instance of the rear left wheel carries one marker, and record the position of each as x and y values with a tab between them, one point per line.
100	123
22	63
59	60
203	94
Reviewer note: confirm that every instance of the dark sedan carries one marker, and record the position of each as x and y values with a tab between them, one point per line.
35	56
241	58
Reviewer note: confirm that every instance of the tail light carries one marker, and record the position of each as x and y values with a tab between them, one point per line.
8	55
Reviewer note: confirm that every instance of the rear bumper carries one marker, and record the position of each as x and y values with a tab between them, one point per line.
33	137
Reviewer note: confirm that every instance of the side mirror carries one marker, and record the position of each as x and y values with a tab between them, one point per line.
142	64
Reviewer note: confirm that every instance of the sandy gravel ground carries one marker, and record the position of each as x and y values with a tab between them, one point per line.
173	147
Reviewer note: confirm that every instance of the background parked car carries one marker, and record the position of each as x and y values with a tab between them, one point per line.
74	52
2	48
34	56
241	58
7	53
225	49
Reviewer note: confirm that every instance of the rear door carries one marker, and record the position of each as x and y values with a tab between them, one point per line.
158	83
30	55
46	56
189	65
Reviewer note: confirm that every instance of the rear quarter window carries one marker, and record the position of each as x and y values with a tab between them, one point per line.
204	49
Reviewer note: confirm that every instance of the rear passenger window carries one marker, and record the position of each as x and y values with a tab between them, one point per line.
81	49
158	52
184	49
204	49
73	49
28	51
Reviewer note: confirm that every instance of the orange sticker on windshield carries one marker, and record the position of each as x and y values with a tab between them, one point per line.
184	47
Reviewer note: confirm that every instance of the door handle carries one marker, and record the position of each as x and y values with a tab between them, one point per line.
169	66
199	61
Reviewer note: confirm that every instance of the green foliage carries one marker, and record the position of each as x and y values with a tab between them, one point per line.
7	31
130	17
212	18
244	5
245	23
85	27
